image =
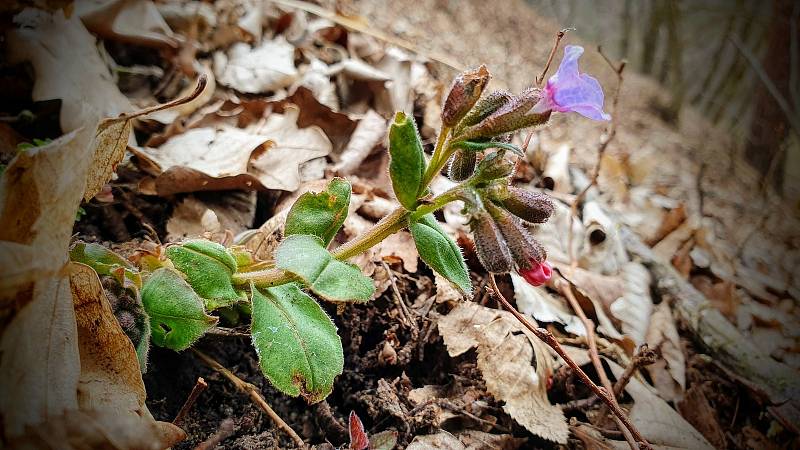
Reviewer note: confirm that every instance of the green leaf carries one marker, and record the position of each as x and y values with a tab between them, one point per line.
331	279
479	146
407	165
177	317
296	342
208	267
321	214
106	262
439	251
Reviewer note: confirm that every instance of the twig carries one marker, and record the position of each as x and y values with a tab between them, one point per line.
226	429
254	394
548	338
610	134
644	357
559	36
401	306
198	389
566	289
361	27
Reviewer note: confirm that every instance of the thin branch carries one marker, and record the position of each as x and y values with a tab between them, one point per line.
548	338
559	37
610	134
566	289
254	394
644	357
793	119
198	389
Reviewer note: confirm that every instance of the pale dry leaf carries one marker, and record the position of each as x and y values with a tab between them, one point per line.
168	116
505	351
255	70
604	251
439	441
539	304
87	90
668	372
336	125
556	170
278	167
370	132
605	289
635	306
131	21
315	77
656	420
396	94
195	216
446	292
466	440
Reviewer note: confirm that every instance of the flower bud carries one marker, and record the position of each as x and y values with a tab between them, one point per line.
465	92
490	247
462	165
525	250
510	117
535	207
485	106
492	167
538	274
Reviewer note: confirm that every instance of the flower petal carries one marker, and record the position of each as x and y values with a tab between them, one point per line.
569	90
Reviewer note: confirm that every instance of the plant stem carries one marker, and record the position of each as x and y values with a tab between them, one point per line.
390	224
437	160
548	338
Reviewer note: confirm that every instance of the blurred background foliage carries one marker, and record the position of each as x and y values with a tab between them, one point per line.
736	61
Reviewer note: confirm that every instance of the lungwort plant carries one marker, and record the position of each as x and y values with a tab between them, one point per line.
173	298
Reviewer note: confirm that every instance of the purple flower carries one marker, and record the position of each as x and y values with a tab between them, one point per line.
570	90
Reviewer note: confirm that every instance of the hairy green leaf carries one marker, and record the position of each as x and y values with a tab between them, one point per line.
331	279
177	317
105	262
439	251
208	267
297	345
320	214
407	165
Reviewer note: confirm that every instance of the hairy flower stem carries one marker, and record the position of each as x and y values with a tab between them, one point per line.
441	153
390	224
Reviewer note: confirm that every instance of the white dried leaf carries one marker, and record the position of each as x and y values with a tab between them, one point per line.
254	70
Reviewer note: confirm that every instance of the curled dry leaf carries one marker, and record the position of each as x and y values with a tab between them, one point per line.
505	351
131	21
254	70
370	131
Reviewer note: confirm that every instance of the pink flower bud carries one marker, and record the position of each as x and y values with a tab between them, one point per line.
538	274
569	90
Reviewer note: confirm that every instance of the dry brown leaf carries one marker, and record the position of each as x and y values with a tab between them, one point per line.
399	247
668	372
254	70
505	351
132	21
369	132
554	234
696	409
170	115
87	90
656	420
337	126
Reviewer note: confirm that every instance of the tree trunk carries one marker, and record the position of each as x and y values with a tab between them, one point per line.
770	125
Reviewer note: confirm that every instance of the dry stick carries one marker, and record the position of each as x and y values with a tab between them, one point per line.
559	36
548	338
226	429
254	394
198	388
601	150
566	289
